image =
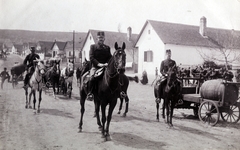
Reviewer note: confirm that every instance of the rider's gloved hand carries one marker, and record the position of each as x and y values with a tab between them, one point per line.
102	65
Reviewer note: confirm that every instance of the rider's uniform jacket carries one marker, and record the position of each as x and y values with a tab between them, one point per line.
99	54
29	59
165	65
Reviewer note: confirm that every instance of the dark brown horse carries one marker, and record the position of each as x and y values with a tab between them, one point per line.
124	82
170	93
52	75
107	91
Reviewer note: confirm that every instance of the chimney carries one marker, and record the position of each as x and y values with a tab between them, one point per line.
129	33
203	26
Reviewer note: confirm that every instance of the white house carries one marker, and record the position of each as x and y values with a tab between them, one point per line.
110	39
189	44
59	49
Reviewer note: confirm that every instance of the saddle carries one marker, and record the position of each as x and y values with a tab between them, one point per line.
97	75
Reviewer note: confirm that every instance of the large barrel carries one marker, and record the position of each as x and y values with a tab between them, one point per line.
217	90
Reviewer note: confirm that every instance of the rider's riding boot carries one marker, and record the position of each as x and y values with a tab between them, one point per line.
90	96
26	81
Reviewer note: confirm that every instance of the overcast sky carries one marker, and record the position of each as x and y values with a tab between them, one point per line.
111	15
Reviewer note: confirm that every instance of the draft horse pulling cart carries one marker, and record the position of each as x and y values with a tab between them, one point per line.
214	99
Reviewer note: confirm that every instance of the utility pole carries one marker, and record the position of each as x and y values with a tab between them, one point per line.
73	49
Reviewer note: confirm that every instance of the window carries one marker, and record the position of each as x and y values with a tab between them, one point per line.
70	53
148	56
149	31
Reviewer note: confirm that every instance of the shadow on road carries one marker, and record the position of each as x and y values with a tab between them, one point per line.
135	141
56	112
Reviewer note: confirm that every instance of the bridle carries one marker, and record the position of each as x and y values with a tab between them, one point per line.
116	66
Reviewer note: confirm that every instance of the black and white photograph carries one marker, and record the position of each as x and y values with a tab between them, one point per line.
119	74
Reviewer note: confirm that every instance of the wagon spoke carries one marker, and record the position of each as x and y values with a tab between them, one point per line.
213	110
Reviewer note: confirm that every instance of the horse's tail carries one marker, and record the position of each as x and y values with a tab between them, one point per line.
133	79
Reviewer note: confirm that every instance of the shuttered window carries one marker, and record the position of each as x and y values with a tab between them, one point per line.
148	56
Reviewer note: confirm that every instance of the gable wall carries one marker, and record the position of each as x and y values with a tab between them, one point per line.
150	42
86	47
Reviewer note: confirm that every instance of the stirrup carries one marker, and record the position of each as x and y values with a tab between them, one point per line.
90	97
123	94
158	100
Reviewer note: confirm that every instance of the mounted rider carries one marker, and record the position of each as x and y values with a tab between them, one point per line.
99	56
30	65
164	67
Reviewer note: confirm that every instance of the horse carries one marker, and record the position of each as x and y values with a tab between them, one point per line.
124	82
53	76
67	78
170	93
107	91
36	84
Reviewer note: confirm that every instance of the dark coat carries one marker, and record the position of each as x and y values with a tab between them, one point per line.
99	54
165	65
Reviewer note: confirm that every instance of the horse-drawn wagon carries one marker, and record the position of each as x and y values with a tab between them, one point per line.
17	73
213	99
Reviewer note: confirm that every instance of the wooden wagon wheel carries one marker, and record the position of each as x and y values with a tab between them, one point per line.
208	113
232	114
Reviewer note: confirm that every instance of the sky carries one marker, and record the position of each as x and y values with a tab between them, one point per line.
114	15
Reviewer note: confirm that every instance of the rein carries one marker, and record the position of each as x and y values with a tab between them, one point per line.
39	74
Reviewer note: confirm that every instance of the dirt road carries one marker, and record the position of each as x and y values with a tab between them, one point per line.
56	126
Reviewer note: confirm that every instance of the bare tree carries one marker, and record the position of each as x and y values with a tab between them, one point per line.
225	50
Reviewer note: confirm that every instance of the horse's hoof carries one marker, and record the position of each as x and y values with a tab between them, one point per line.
80	130
26	107
38	111
108	138
157	120
103	136
30	107
124	115
119	112
100	128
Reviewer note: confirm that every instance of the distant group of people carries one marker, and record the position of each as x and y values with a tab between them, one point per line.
206	73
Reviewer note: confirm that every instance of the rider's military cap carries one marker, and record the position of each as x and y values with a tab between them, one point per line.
168	51
32	48
100	34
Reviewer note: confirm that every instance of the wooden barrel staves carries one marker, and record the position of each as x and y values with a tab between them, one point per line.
217	90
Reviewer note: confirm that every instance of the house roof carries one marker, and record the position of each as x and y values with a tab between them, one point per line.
19	47
61	45
32	44
112	37
180	34
46	45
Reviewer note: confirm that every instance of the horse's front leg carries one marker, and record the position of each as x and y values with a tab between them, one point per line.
103	109
126	107
26	95
97	108
163	108
34	98
157	106
39	100
82	110
120	106
29	100
109	117
171	113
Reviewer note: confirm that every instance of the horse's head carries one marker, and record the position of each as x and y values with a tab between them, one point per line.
57	66
40	67
173	84
172	75
119	57
69	69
